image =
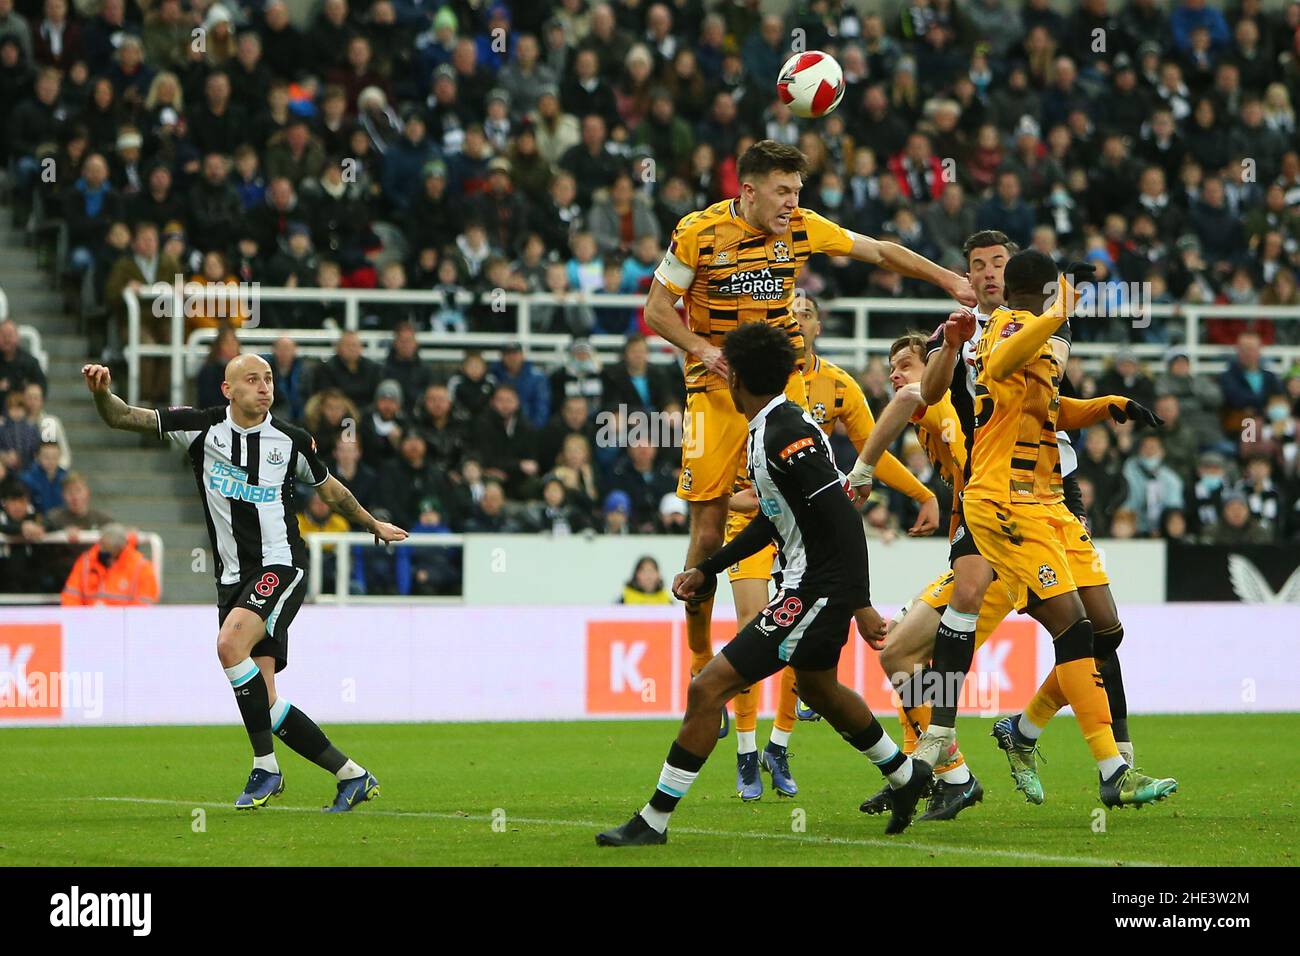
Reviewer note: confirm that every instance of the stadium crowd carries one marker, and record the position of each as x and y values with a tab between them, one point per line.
466	147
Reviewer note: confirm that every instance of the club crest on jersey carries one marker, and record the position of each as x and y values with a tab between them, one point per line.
687	478
819	413
275	458
1011	328
1046	576
781	251
958	534
722	258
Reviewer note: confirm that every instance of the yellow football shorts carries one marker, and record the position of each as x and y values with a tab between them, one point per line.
713	440
756	567
1038	551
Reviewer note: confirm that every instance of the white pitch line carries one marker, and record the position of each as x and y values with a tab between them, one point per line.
691	831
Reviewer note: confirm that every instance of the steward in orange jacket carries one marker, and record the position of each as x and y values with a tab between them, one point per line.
112	572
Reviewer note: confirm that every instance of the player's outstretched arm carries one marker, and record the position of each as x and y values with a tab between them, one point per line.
900	259
889	426
334	493
115	412
937	376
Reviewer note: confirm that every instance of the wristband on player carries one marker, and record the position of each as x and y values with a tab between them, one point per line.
861	475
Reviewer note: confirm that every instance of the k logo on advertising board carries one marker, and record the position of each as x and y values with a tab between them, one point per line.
31	665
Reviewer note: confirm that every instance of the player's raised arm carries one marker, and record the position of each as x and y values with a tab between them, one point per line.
900	259
889	426
1010	354
334	493
115	412
937	376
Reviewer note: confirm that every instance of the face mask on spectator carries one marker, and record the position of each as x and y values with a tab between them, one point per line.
1151	462
1212	482
1278	413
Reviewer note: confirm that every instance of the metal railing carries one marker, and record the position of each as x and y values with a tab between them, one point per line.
152	540
343	543
854	349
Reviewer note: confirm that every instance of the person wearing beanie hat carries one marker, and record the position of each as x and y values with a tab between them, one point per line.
382	425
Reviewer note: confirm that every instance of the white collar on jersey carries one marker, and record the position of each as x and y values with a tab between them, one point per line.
246	431
763	412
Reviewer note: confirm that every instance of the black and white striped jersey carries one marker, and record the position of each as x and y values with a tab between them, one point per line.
246	480
821	546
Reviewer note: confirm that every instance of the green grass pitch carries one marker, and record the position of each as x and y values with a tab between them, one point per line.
535	793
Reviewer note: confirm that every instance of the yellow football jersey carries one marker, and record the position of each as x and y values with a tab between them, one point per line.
940	433
1014	457
834	395
730	273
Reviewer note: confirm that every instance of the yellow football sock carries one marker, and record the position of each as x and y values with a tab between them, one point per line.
785	702
1083	689
911	718
699	632
1046	702
745	707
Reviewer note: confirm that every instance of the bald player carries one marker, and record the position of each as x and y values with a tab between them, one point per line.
246	463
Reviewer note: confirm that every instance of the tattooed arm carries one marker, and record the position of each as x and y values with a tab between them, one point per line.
335	494
115	412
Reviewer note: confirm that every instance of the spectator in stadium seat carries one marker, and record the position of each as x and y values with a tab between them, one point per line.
213	372
405	161
214	307
111	573
283	46
557	131
621	216
358	477
646	586
76	514
1007	212
492	513
1180	440
443	428
1267	503
214	209
644	482
471	387
574	467
88	208
295	154
590	162
348	371
58	40
18	367
433	213
157	202
294	264
530	385
1153	487
1205	492
617	514
142	267
1099	465
1125	377
674	515
50	427
507	445
554	514
14	24
634	382
44	478
317	517
269	221
290	372
503	211
1247	385
526	75
1153	199
24	568
403	365
572	419
19	439
409	482
382	425
1190	15
1217	228
1237	526
218	123
579	375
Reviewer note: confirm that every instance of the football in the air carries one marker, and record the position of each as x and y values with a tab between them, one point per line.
811	84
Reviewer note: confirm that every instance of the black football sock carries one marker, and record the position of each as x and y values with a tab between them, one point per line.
675	779
251	696
1105	649
954	650
305	738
